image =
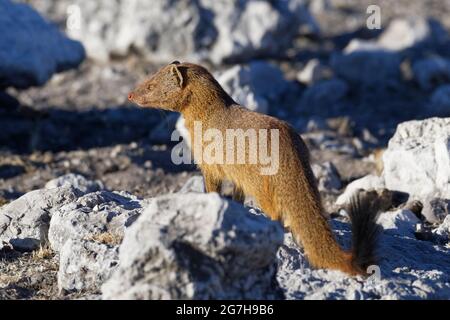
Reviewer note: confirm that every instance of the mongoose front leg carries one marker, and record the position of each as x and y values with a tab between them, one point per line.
266	204
238	194
211	184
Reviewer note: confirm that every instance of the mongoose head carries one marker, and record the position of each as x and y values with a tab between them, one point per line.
162	90
177	85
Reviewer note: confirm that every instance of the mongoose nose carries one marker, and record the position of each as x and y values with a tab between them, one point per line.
130	96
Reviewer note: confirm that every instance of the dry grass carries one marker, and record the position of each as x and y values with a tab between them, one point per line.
110	238
6	280
44	253
3	201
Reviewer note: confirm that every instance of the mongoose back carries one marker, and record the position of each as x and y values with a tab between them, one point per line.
290	195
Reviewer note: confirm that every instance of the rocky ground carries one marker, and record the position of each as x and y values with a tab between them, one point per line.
347	101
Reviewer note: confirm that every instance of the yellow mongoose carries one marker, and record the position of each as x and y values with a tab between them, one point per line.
291	195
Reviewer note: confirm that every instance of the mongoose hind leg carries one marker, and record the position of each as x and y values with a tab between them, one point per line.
267	206
212	184
265	198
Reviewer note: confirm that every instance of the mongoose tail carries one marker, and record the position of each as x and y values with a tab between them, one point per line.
314	233
363	212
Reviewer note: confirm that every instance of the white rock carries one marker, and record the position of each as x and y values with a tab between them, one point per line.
195	184
251	28
313	72
165	30
25	222
375	64
78	220
240	90
248	85
320	6
196	246
39	49
356	45
76	181
435	210
417	160
369	182
401	34
183	131
327	176
404	33
86	265
161	30
444	228
400	222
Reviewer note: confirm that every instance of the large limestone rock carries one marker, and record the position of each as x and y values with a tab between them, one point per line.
406	33
252	28
32	49
196	246
417	160
163	30
25	222
92	215
87	233
248	85
75	180
86	264
375	64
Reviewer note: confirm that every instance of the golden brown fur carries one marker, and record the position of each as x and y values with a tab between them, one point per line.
290	195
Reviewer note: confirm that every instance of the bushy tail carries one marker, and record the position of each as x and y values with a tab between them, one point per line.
363	211
313	232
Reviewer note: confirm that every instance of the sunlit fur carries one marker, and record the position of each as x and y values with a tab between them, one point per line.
291	195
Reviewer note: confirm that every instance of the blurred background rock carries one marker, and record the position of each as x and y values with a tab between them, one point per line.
66	67
312	63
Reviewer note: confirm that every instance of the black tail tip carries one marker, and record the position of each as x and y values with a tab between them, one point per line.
363	210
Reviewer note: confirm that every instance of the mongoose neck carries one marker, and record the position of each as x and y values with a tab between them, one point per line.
202	104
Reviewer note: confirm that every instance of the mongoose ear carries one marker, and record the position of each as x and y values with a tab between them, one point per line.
178	76
175	62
